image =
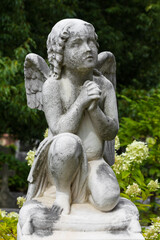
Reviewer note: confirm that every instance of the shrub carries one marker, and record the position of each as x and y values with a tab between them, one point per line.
133	184
18	182
8	225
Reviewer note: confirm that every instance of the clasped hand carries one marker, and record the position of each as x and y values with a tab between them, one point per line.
89	95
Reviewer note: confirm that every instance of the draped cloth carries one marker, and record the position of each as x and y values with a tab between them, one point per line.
39	174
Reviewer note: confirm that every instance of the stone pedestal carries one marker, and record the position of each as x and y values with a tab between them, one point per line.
83	223
88	236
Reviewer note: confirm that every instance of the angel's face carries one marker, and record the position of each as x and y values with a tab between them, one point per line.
80	50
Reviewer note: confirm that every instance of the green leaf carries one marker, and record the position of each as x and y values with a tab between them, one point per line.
125	174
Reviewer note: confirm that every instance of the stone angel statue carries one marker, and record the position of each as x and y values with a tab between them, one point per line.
73	192
77	95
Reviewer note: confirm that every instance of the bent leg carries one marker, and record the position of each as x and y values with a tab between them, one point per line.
103	186
63	161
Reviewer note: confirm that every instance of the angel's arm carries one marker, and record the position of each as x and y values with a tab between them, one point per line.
59	122
106	120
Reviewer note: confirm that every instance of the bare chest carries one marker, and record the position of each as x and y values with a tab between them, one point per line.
92	142
68	94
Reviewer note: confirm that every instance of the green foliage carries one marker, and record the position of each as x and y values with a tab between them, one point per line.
8	225
141	111
17	182
13	107
128	168
125	28
16	43
143	122
144	115
154	231
14	28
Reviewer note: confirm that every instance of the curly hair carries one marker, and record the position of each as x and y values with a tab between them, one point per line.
56	43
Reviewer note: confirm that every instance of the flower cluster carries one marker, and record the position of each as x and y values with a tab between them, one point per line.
20	201
117	143
133	190
120	164
4	214
136	152
46	133
13	215
153	185
8	225
30	157
154	231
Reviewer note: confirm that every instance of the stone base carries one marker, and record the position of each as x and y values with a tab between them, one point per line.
36	221
68	235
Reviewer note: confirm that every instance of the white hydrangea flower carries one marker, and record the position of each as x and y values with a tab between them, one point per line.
125	166
46	133
153	185
120	164
154	231
133	190
30	157
2	214
13	215
136	152
157	224
20	201
117	143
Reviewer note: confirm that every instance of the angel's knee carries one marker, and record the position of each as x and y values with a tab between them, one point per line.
105	201
64	155
65	146
104	187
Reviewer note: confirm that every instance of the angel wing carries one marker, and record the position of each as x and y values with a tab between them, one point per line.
36	71
107	66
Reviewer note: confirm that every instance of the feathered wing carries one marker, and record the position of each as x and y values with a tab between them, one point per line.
107	66
36	71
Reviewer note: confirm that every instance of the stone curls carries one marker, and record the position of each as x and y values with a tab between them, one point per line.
55	46
56	43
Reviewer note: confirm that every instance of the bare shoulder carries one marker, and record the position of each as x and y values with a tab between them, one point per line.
50	87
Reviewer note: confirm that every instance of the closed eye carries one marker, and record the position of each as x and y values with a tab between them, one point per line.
76	43
91	41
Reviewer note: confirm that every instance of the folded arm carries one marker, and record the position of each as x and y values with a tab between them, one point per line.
69	121
106	120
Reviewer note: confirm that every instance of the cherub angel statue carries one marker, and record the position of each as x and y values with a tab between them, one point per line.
77	95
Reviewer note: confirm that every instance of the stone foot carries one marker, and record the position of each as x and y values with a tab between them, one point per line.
63	202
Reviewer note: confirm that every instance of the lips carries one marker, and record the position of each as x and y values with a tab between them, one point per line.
89	57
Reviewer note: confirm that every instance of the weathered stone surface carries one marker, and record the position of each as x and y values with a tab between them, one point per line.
83	221
77	95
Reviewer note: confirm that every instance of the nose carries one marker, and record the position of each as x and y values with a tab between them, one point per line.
87	47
